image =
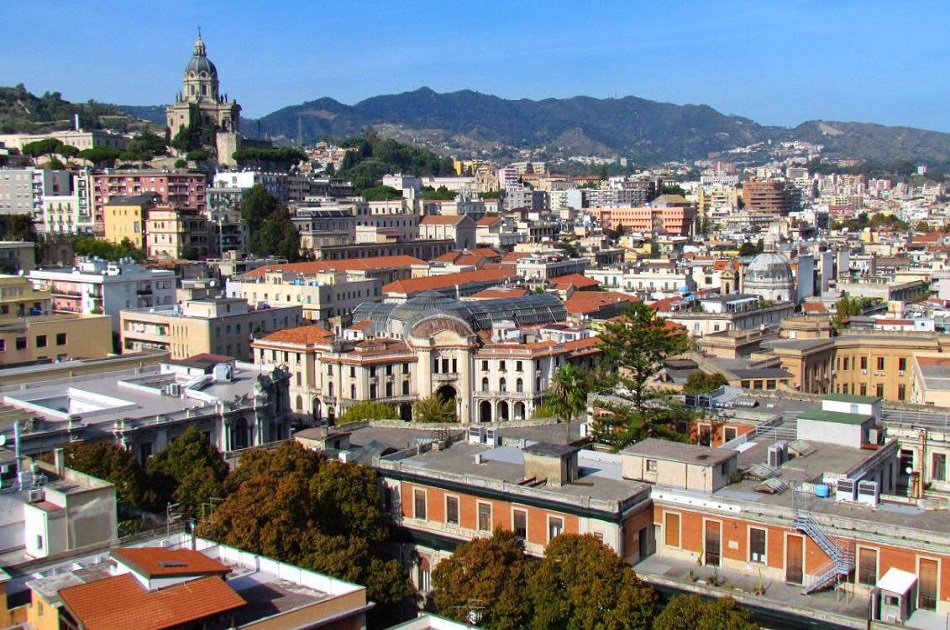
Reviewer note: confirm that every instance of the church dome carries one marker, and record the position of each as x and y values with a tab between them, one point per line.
769	268
200	63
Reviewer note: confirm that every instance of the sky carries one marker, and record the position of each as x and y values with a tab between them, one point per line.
776	62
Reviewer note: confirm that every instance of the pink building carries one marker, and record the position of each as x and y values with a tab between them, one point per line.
179	190
676	221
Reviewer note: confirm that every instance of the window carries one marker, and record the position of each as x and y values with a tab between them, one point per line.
405	388
3	345
902	364
867	566
729	434
21	343
671	530
864	363
484	366
485	384
501	366
879	390
39	541
484	517
555	527
901	392
519	524
60	339
41	341
451	510
419	504
651	465
518	366
757	545
938	469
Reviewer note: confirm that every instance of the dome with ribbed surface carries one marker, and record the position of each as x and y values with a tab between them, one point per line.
770	267
199	62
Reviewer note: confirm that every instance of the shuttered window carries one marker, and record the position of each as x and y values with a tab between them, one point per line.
927	592
452	510
419	504
672	530
757	545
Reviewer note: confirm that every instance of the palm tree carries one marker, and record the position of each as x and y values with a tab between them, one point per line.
434	408
570	387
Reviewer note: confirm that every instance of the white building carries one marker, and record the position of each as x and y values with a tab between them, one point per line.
22	189
103	287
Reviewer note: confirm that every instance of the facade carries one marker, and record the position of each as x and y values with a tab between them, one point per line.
543	267
173	234
713	314
769	196
460	229
22	190
124	218
494	358
423	249
143	407
200	89
219	326
18	256
673	220
103	287
178	189
69	212
78	138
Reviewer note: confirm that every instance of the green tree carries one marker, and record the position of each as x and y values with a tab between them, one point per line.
636	345
490	573
368	410
381	193
190	471
439	194
434	408
100	156
114	464
700	382
47	146
293	505
91	246
582	583
148	143
748	249
570	387
20	227
67	151
697	613
256	206
849	306
277	236
673	189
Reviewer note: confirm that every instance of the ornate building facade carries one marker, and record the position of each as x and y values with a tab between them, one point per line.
200	87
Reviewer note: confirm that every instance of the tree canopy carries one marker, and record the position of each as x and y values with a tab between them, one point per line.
372	156
190	471
368	410
282	157
700	382
271	228
108	461
489	574
582	583
293	505
434	408
91	246
570	386
697	613
439	194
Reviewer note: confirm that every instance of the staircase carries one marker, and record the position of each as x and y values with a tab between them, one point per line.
839	551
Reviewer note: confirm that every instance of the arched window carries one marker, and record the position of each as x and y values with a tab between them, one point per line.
502	385
353	392
299	402
484	384
519	385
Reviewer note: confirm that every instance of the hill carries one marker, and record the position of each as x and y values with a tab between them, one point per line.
23	112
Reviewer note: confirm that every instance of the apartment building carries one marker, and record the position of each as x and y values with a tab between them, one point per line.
178	189
770	196
218	326
70	211
174	234
104	287
460	229
545	266
23	190
672	220
17	256
125	218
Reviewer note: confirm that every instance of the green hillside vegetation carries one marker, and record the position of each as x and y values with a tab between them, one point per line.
371	156
24	112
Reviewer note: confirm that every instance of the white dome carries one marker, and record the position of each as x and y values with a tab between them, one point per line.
769	268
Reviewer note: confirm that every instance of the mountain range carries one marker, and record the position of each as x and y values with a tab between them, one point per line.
470	123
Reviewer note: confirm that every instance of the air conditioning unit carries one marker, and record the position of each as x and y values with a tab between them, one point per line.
778	454
37	495
846	490
869	492
493	437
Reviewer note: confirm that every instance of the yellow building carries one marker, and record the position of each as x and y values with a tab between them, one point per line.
19	299
55	338
174	233
125	217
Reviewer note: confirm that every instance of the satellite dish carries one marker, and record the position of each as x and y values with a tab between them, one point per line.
3	440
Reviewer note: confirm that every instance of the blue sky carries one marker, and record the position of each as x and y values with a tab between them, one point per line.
778	63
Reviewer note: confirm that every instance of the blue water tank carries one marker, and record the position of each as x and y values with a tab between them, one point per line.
822	491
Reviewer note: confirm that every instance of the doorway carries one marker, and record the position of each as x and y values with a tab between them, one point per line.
794	559
713	543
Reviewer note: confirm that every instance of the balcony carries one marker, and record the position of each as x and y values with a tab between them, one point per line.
443	377
144	291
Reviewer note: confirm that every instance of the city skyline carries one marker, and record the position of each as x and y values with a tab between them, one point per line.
768	61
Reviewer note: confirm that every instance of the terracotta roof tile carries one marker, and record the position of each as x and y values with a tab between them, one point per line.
160	562
593	301
121	602
488	221
352	264
299	335
578	280
415	285
502	292
442	219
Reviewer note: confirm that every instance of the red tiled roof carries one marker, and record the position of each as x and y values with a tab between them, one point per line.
495	293
415	285
366	323
578	280
442	219
664	305
353	264
160	562
512	257
488	221
814	307
933	361
121	602
303	335
593	301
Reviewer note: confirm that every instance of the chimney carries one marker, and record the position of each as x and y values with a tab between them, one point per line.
59	461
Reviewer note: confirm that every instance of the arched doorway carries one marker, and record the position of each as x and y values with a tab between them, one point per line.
446	392
519	410
405	412
484	411
331	416
503	411
317	416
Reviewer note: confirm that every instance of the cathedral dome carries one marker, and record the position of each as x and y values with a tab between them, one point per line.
770	268
200	63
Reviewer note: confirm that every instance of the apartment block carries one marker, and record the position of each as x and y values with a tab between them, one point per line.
178	189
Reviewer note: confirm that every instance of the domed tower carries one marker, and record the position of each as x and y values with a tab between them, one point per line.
770	277
200	91
201	77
